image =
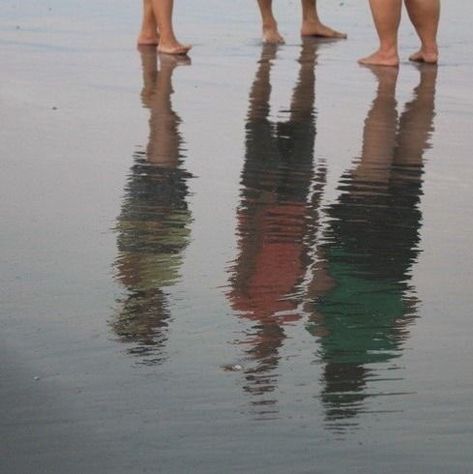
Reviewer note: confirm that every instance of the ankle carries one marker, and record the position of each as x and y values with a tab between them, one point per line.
430	47
168	38
148	33
311	22
270	24
388	50
310	15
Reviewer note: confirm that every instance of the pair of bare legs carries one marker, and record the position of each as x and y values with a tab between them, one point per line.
424	15
311	24
157	29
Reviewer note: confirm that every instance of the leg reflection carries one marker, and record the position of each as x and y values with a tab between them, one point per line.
363	301
154	224
273	217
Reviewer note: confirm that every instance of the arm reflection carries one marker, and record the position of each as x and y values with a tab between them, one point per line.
363	301
277	197
154	224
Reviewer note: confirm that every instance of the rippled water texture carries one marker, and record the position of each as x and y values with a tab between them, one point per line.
254	260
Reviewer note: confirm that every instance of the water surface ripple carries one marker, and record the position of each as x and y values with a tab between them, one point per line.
341	269
153	227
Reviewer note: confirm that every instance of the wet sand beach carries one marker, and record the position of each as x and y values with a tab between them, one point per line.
254	260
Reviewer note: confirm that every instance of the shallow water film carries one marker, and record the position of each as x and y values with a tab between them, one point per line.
257	259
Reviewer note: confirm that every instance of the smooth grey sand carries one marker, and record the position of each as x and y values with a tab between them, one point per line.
82	392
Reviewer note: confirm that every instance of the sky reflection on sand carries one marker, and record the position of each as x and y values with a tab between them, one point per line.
341	270
258	262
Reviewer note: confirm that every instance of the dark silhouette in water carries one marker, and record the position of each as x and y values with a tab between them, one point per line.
154	224
278	199
361	299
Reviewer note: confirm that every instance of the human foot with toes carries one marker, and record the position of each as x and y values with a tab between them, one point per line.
157	29
425	56
311	24
271	34
424	15
381	58
319	30
173	47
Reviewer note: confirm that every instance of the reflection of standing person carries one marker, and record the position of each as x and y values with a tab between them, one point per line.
273	216
153	227
157	28
311	24
361	313
424	15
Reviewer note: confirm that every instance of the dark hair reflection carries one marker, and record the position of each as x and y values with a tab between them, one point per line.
362	299
278	198
154	224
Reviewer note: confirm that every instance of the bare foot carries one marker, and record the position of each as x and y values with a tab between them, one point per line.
173	47
424	56
148	39
313	28
271	35
381	58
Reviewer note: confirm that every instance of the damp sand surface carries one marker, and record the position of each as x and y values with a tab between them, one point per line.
257	260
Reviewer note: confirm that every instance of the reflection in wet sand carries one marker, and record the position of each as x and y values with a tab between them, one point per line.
350	279
278	200
154	224
361	311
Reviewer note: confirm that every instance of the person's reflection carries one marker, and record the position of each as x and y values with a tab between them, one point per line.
154	224
362	297
276	200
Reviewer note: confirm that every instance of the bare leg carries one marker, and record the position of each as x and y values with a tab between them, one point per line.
311	24
425	15
271	34
149	26
167	42
386	16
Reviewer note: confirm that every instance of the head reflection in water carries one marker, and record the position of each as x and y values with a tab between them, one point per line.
362	303
154	224
278	200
